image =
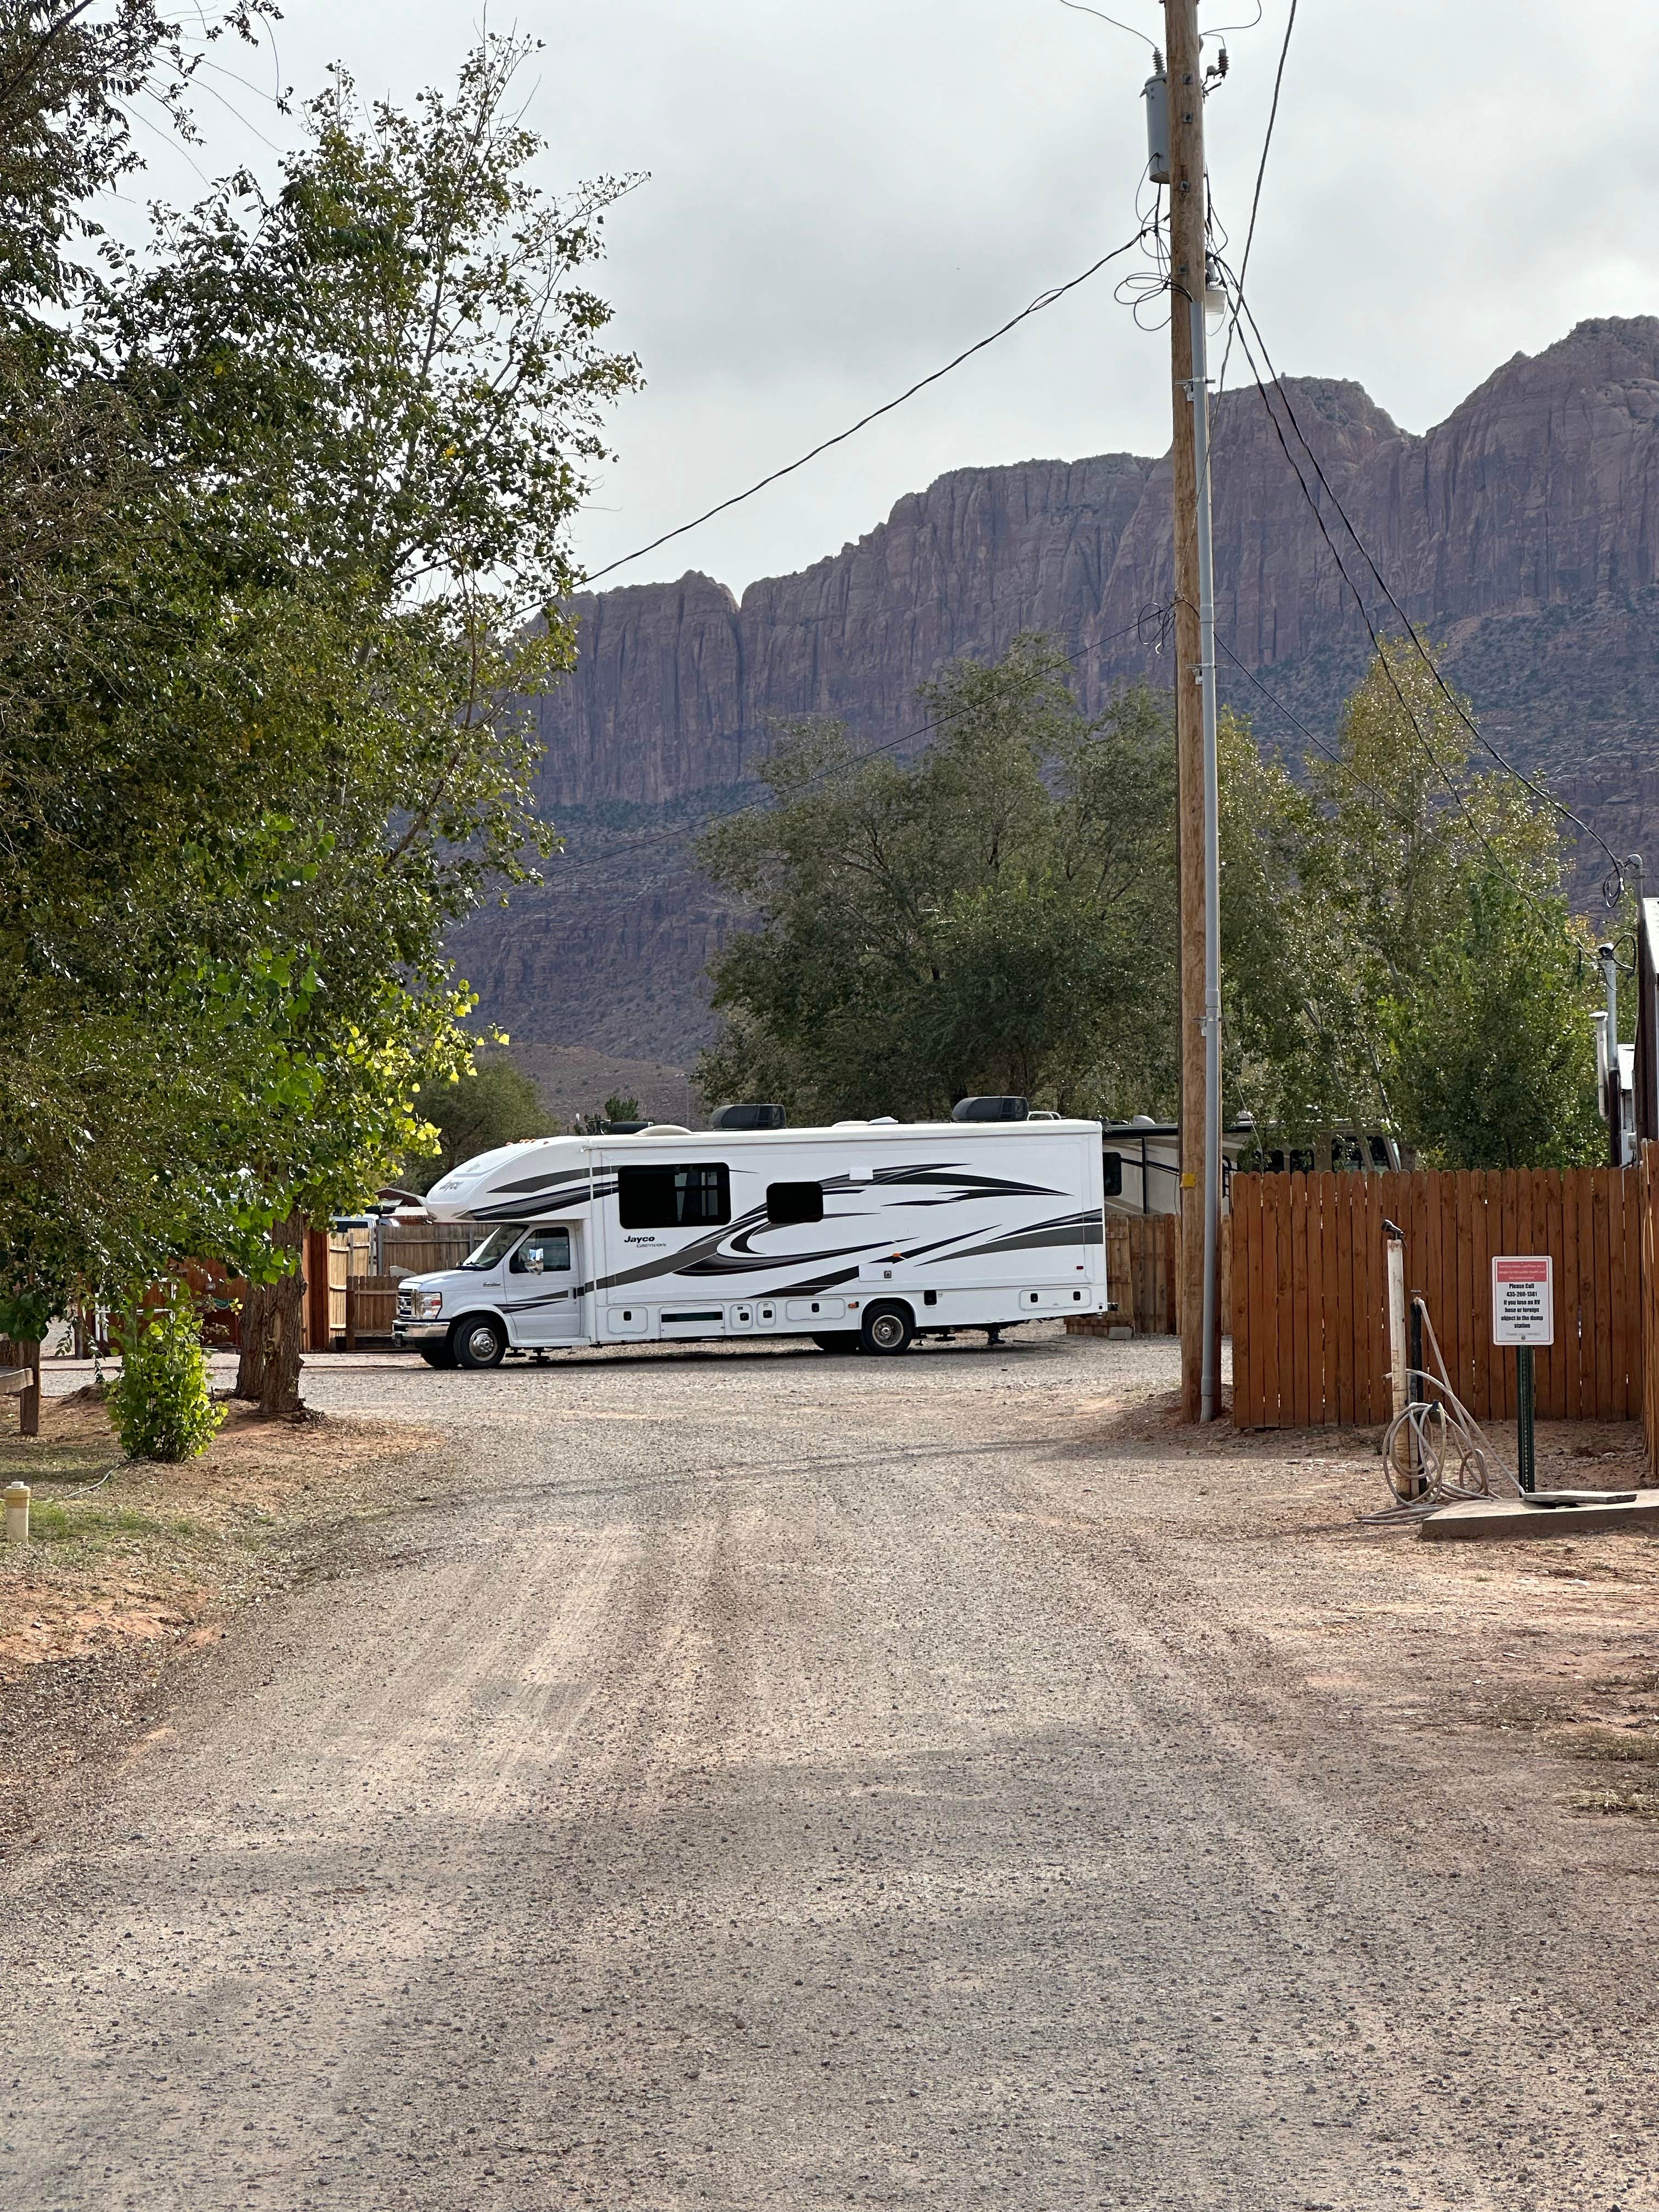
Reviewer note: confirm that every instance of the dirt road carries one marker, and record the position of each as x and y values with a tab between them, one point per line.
787	1781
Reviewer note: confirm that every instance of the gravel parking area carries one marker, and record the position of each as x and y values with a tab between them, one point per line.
769	1779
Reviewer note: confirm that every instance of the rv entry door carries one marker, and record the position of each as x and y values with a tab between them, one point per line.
542	1303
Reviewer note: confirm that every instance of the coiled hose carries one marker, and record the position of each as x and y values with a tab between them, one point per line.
1447	1456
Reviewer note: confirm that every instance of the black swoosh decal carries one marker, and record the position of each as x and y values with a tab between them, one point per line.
1088	1228
532	1209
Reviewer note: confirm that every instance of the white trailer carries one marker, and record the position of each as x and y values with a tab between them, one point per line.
861	1237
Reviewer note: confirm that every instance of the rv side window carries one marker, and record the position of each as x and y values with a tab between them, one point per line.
674	1198
793	1201
1112	1164
544	1251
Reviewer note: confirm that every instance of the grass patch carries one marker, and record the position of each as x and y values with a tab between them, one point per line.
1626	1746
1633	1804
87	1522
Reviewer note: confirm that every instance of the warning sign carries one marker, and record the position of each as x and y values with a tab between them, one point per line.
1523	1301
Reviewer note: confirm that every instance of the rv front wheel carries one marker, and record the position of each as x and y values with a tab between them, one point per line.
887	1329
479	1341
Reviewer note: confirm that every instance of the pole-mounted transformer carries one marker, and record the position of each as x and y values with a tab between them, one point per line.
1156	94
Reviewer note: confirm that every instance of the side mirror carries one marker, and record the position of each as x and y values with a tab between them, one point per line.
534	1265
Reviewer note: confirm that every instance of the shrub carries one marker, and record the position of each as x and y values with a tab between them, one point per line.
162	1404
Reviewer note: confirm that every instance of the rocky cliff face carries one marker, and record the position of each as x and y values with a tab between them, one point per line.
1521	532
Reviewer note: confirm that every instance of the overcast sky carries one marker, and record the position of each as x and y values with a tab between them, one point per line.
843	193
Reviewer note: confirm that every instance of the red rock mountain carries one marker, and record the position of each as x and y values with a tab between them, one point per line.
1522	532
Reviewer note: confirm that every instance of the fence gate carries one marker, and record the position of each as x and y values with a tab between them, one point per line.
1310	1344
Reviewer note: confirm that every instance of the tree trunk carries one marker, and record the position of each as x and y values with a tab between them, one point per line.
273	1331
251	1362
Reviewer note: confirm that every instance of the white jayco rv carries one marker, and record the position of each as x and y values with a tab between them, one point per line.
861	1237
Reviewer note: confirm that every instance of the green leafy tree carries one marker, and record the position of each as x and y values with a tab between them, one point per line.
997	915
264	737
1398	942
1493	1061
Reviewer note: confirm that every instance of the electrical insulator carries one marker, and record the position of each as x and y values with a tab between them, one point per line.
1156	94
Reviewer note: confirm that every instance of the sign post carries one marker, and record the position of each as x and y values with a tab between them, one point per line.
1524	1314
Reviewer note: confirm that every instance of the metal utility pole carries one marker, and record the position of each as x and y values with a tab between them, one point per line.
1196	738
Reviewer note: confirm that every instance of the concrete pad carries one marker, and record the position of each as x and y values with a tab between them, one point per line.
1551	1513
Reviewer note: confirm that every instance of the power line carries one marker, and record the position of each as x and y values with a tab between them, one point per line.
1296	722
1082	11
1538	791
1043	300
1255	197
1382	661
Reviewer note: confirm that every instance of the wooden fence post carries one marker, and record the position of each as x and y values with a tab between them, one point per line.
318	1336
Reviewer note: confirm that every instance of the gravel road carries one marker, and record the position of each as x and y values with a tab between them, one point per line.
783	1781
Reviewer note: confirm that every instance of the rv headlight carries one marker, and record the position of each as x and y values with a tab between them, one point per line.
428	1304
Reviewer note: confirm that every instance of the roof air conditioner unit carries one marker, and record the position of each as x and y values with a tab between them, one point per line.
991	1110
748	1116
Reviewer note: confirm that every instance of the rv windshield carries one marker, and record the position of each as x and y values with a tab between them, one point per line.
495	1246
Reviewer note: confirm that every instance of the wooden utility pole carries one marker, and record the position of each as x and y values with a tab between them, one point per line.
1187	285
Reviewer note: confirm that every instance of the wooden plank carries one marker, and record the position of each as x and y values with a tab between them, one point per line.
1275	1250
1414	1222
1449	1317
1318	1332
1553	1388
1301	1393
1429	1271
1362	1213
1615	1324
1260	1318
1238	1214
1503	1368
1339	1326
1359	1215
1388	1205
1253	1291
1259	1294
1315	1303
1463	1277
1347	1373
1627	1359
1603	1409
1527	1228
1567	1299
1589	1290
1319	1312
1630	1182
1480	1396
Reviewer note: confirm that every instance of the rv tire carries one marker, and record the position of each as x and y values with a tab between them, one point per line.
479	1341
887	1329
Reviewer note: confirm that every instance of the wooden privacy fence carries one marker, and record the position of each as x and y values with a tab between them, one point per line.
1310	1303
364	1270
1143	1276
